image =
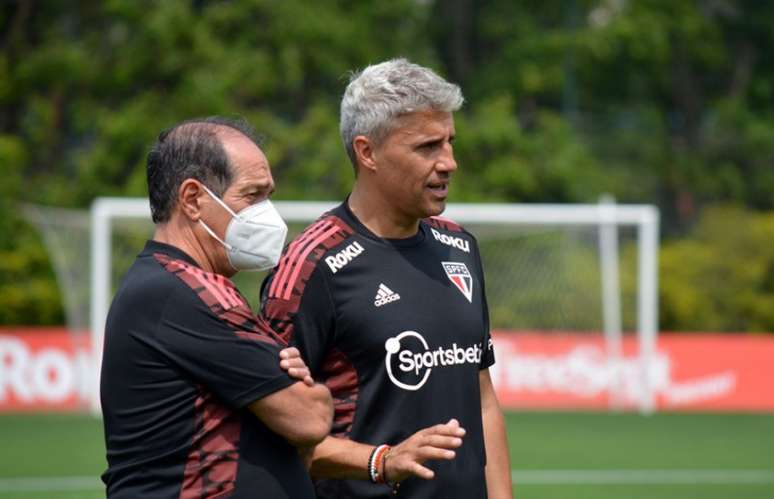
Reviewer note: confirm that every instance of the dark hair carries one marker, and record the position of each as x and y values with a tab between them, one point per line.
191	149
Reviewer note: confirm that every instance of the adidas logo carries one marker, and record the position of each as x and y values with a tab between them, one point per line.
385	295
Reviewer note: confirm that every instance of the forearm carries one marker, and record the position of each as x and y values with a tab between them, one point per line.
321	400
340	458
345	459
320	406
498	466
301	414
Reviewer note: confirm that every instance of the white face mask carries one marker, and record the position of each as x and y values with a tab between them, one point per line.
254	237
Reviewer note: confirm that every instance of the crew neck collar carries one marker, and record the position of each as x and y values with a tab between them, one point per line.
153	246
365	231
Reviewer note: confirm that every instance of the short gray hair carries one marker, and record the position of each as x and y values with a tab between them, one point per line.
381	93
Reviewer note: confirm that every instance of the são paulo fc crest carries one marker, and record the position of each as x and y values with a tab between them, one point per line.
459	275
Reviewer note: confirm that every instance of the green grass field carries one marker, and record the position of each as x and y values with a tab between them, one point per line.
554	455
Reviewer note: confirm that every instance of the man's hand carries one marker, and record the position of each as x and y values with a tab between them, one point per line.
291	361
436	442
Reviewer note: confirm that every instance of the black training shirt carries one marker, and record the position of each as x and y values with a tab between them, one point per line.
183	358
399	332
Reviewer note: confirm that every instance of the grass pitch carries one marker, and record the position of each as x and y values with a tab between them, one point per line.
553	455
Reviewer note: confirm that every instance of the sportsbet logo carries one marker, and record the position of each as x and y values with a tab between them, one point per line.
411	354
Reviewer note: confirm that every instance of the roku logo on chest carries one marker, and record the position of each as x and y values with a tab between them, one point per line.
342	258
456	242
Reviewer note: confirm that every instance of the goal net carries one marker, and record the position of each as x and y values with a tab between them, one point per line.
553	269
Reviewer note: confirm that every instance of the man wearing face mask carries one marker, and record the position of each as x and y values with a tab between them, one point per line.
199	398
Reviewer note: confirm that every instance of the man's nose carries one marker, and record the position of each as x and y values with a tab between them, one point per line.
446	161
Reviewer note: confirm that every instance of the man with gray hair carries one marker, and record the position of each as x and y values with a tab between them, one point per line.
385	300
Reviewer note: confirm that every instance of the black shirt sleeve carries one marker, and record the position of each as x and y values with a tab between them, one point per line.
238	366
488	357
306	320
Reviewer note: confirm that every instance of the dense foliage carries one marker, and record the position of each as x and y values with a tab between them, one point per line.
660	101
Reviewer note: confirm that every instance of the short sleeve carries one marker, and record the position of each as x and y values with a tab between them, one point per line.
488	357
239	366
305	318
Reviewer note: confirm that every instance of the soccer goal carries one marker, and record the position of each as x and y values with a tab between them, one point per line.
550	268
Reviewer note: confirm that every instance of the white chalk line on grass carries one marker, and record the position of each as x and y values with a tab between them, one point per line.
49	483
526	477
642	477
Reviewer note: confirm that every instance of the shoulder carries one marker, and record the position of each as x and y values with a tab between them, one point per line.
145	293
443	223
306	252
147	280
216	297
214	290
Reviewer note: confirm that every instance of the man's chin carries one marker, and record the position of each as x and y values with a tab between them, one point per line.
434	208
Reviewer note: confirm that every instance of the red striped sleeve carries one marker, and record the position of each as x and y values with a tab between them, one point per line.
289	278
341	379
290	258
222	298
211	465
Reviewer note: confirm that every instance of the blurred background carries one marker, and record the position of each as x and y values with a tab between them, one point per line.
667	103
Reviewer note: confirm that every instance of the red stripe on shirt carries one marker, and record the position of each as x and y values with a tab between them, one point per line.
234	298
277	309
211	466
444	223
291	256
223	299
192	276
340	377
210	286
292	281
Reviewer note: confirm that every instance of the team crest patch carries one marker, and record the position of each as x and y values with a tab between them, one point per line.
459	275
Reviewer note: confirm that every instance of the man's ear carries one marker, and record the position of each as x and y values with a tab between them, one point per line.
189	197
365	152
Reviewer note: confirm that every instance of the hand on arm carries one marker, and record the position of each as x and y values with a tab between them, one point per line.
291	361
302	413
498	466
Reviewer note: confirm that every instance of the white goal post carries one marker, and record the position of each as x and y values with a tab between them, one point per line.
606	216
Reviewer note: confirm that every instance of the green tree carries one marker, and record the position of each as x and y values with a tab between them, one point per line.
721	277
651	100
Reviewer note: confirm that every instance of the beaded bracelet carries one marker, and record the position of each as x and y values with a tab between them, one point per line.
374	462
379	471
